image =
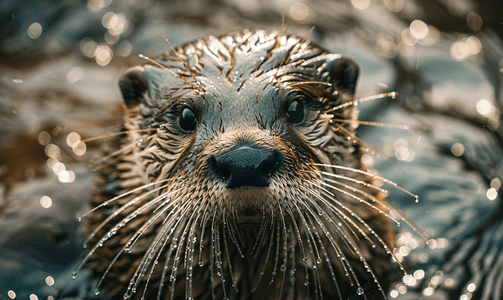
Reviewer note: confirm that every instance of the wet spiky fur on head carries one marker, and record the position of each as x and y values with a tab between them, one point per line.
167	225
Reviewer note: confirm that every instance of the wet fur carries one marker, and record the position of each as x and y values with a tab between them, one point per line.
177	232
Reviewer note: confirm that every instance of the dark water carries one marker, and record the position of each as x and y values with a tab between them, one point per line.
60	61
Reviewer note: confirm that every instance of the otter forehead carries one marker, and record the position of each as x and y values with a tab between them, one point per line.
246	103
236	80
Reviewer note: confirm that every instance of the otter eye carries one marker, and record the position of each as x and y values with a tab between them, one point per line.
295	112
187	120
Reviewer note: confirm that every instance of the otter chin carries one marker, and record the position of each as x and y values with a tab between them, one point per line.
239	176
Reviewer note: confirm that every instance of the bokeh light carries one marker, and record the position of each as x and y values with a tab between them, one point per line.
35	30
471	287
474	21
492	194
394	5
80	149
299	12
484	107
73	139
458	149
74	75
46	201
95	6
429	291
52	150
419	274
88	47
360	4
418	29
496	183
44	138
103	55
408	38
124	48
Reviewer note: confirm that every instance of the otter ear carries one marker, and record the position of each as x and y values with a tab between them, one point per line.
344	74
133	85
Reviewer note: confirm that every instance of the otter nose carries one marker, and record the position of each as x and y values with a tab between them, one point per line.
246	166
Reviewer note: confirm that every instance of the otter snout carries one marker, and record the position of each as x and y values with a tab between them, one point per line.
246	165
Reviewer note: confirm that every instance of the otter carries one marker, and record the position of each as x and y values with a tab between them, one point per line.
239	176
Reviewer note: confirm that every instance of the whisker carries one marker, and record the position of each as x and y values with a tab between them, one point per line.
276	256
156	246
168	257
369	229
219	262
169	70
282	23
338	250
365	99
259	238
363	144
227	253
311	244
127	245
368	123
395	185
102	166
121	152
338	213
329	264
116	134
232	233
375	200
327	84
181	242
264	264
204	221
186	64
307	35
121	209
122	196
285	250
299	237
361	200
212	253
365	184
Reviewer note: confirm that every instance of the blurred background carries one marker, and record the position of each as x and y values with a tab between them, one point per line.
59	66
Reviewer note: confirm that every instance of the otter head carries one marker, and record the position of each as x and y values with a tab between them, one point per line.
240	119
244	174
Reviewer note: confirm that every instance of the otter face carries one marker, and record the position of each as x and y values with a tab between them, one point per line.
241	117
246	185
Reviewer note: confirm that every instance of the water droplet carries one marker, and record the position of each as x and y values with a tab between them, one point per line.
96	292
74	275
359	290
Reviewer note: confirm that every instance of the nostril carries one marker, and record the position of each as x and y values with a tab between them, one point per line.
246	166
220	168
271	165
